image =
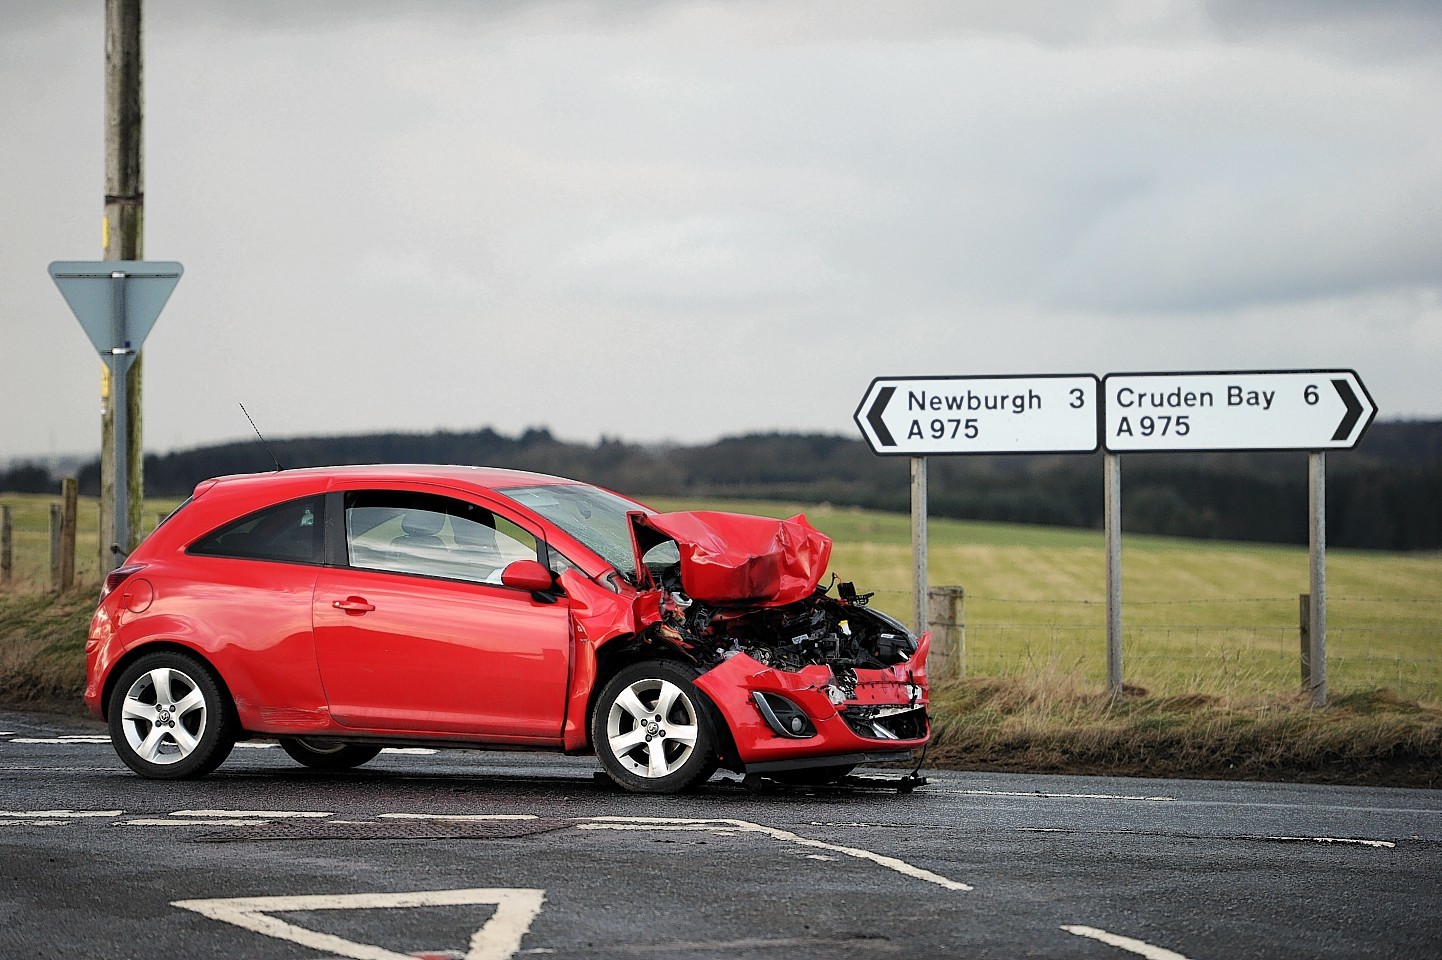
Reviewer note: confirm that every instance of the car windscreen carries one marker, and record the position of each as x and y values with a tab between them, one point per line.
595	517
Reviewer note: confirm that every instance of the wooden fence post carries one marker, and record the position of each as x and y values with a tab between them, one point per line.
1304	630
70	505
7	546
946	619
56	522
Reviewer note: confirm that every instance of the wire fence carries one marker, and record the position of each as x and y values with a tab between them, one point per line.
1230	647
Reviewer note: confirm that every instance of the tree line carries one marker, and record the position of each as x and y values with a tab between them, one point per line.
1384	495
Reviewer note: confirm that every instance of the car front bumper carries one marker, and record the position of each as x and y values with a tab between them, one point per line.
781	719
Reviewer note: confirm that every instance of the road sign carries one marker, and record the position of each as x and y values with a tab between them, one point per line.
1249	410
931	416
116	301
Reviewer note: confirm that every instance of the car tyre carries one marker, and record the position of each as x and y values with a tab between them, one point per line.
170	719
328	755
653	730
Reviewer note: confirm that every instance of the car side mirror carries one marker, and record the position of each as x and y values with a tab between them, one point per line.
528	575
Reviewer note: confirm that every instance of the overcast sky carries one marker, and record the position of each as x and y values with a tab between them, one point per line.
685	220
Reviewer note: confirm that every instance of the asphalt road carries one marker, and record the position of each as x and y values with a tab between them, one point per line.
460	854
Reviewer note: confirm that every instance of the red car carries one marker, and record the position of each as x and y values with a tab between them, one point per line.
341	610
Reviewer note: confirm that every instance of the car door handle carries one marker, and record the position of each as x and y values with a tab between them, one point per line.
354	605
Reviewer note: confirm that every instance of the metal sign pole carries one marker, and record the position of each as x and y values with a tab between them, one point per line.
918	539
1317	560
1112	510
117	361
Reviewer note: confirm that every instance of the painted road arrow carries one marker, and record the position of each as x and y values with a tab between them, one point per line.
931	416
1247	410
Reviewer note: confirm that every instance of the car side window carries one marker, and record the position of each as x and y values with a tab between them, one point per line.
431	536
291	532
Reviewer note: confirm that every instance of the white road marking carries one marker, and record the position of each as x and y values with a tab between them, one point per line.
267	814
1036	795
180	822
33	823
1361	843
85	739
256	746
464	817
68	814
498	939
1139	947
411	751
745	826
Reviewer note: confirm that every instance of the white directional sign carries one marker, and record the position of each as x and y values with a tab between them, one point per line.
929	416
1251	410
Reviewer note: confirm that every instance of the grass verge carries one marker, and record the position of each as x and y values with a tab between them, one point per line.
42	649
1053	724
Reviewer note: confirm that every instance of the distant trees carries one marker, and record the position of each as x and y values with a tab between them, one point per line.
1385	495
28	478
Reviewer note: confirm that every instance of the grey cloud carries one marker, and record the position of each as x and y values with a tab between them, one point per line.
1366	30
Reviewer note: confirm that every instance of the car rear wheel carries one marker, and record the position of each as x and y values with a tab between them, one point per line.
169	718
321	754
652	729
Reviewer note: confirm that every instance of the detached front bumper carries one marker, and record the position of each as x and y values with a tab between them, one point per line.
782	720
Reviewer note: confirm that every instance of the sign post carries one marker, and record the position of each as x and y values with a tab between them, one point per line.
1280	410
117	303
1308	410
919	417
930	416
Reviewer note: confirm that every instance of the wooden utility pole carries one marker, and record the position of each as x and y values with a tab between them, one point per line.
121	232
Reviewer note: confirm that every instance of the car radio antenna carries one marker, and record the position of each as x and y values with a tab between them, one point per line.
262	439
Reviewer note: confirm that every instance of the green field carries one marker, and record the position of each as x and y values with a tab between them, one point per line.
1198	616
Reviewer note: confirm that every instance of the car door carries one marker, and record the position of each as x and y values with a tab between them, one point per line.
415	632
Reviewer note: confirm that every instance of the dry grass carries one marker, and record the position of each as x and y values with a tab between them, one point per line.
42	648
1053	725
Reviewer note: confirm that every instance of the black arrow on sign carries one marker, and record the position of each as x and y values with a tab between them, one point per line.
873	416
1354	410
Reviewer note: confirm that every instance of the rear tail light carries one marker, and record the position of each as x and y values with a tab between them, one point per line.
118	576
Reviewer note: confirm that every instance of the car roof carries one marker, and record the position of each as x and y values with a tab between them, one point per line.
490	478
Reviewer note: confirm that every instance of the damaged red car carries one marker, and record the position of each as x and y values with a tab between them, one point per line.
343	610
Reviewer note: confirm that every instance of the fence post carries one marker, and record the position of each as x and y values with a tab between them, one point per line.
946	619
7	546
70	505
56	521
1304	630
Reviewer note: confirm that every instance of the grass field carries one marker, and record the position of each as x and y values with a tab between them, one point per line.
1198	616
1210	655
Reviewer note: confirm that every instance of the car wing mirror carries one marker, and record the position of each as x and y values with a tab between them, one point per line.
530	575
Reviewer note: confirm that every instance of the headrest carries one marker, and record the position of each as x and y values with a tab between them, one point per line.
422	523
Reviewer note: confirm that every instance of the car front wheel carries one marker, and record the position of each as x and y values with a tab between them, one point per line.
329	755
169	719
652	730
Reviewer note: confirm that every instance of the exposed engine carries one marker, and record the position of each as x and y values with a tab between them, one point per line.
839	631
